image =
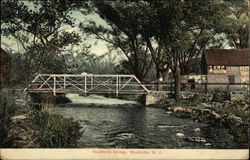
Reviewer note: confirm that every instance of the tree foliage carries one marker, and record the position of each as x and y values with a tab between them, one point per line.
121	34
37	26
238	32
171	33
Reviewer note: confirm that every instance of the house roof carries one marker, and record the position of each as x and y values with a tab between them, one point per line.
227	57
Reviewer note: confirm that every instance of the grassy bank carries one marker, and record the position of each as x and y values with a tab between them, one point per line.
24	126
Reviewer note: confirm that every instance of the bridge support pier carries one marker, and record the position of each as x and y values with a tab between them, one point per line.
150	99
155	97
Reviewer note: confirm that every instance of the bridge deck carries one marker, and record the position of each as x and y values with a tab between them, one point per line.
45	90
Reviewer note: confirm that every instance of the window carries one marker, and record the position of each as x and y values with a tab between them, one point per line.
231	79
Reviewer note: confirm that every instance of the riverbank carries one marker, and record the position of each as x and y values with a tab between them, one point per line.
232	115
24	125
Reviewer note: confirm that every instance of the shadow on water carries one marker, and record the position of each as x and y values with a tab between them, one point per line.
115	123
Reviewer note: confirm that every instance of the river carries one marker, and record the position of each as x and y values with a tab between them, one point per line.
115	123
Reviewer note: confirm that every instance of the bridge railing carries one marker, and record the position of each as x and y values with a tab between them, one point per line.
87	83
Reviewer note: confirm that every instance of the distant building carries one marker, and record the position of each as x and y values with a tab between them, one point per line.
5	62
226	66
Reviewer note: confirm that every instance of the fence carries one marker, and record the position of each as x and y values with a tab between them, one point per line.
200	87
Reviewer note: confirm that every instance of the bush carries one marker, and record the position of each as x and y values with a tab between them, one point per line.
219	97
7	108
241	131
55	131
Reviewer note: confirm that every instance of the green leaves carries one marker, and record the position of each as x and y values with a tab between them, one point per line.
37	26
55	131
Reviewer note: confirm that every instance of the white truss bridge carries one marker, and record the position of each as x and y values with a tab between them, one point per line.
87	84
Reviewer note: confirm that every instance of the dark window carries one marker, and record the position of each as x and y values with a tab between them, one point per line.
231	79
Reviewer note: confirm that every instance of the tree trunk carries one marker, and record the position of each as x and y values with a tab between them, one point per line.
177	82
160	77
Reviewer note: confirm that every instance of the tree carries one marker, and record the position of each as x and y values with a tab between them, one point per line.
121	33
93	64
181	30
174	32
36	26
238	32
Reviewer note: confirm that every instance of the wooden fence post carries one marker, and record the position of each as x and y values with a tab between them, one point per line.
228	89
171	88
206	88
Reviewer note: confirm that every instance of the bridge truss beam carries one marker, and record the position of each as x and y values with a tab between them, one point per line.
87	83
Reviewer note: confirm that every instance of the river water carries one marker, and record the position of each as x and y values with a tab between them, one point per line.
115	123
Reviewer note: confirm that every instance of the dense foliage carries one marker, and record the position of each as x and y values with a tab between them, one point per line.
55	131
7	109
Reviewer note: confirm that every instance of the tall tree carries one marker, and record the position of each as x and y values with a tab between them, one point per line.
37	25
174	32
121	33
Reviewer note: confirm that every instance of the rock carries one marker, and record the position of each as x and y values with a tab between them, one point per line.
216	115
178	109
197	129
19	117
196	139
208	144
168	112
235	119
206	111
225	115
246	112
226	101
179	134
189	110
245	108
205	105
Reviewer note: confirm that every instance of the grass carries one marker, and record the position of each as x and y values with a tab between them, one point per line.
55	131
47	130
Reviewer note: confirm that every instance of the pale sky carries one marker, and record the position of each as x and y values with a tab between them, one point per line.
98	49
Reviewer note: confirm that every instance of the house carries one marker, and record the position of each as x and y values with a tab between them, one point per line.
226	66
5	62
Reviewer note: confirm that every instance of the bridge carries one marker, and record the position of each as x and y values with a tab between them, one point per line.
87	83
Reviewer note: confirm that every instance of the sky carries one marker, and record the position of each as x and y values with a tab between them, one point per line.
98	47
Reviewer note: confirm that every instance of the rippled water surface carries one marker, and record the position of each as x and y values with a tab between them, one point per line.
114	123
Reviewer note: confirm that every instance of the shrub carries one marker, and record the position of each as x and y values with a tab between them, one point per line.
55	131
7	108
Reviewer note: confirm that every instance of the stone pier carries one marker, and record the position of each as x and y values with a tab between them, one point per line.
155	97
